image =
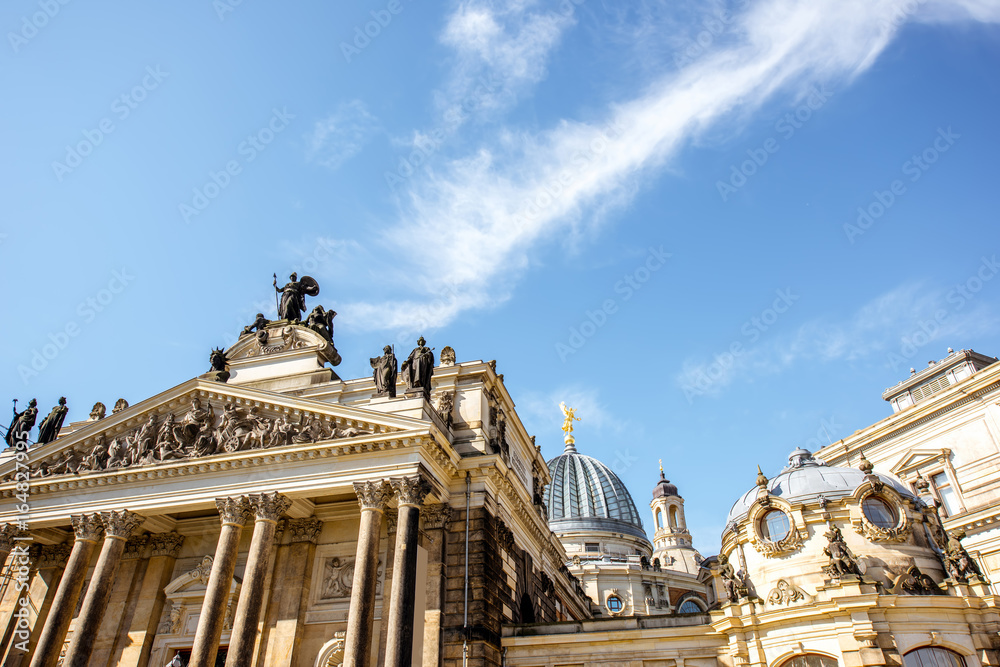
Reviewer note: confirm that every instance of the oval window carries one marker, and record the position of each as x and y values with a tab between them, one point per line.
879	512
774	526
615	604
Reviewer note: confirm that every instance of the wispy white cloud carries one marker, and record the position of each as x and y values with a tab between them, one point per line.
471	226
341	135
895	329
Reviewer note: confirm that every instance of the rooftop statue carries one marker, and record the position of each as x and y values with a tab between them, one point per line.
293	296
321	321
385	372
48	430
567	427
218	359
260	325
20	425
418	368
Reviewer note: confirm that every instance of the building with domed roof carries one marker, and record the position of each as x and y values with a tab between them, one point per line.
593	515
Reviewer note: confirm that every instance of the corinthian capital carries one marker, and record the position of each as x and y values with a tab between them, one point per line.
166	544
135	547
410	490
88	527
269	506
305	530
8	533
53	555
121	524
233	511
373	495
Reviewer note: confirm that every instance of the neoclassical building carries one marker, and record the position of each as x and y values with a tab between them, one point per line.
271	513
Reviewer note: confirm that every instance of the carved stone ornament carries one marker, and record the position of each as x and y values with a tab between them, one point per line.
446	408
770	548
276	341
338	577
203	570
435	516
842	561
121	524
87	527
505	538
269	506
785	593
98	412
8	534
235	511
135	547
336	656
53	555
120	404
304	530
914	582
863	526
373	495
166	544
447	356
410	490
172	624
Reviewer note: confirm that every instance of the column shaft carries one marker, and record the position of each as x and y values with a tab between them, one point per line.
88	530
235	512
290	593
399	644
361	615
117	616
49	568
151	598
118	526
268	508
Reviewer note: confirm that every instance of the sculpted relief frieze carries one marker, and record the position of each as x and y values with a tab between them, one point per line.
202	430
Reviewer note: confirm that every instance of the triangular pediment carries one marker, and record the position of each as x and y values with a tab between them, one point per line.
915	459
203	421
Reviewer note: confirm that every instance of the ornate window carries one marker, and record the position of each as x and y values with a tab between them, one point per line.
932	656
689	607
615	604
774	526
810	660
879	512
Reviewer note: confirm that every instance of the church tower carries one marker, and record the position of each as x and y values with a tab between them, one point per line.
671	539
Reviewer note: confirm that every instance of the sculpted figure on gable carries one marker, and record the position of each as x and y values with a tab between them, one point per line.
195	433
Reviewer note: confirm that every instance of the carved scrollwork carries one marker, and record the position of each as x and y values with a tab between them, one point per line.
792	541
284	339
304	530
864	526
203	570
785	593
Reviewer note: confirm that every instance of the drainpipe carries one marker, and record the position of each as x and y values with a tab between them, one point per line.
465	622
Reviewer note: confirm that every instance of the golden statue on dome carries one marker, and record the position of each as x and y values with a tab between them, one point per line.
567	426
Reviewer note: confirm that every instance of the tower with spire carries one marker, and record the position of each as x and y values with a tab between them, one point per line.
672	544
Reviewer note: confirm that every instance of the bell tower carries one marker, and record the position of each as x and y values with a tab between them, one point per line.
671	540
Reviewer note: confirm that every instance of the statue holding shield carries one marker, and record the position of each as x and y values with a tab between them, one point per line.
293	296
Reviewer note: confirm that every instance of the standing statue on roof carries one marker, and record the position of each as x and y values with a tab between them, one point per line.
20	425
384	373
567	427
48	430
293	296
418	368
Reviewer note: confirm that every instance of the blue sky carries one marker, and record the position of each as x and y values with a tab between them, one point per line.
719	230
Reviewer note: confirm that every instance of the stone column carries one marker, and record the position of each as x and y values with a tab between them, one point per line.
290	592
9	534
435	519
164	549
267	508
410	492
118	527
49	563
372	496
121	602
88	529
234	512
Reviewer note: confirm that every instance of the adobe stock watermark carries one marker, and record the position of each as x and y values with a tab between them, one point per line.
915	167
752	329
248	150
223	7
715	24
86	311
824	436
122	107
595	319
30	25
363	35
786	126
927	330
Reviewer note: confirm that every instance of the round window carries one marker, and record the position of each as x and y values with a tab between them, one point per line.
774	526
615	604
879	512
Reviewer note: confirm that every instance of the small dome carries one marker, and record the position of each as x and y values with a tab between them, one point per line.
586	495
806	478
664	488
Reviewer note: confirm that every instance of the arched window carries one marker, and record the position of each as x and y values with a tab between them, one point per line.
659	518
809	660
932	656
689	607
673	516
